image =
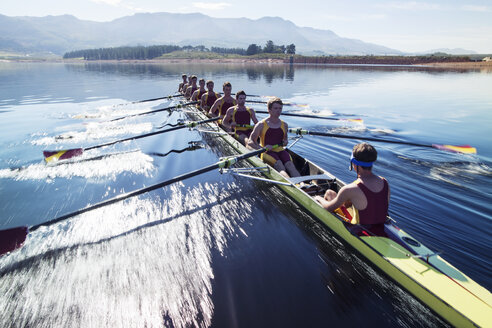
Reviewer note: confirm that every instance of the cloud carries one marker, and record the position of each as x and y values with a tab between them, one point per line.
355	17
108	2
211	5
483	9
411	5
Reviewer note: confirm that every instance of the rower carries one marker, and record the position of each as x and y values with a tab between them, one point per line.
208	99
186	85
272	131
367	198
191	88
185	79
222	104
238	118
197	95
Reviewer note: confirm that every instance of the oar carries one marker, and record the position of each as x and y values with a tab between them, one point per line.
285	103
147	100
233	94
56	155
466	149
155	111
13	238
357	120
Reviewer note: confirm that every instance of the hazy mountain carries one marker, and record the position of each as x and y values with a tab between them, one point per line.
454	51
59	34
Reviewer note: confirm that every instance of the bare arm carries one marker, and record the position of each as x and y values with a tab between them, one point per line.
188	93
331	205
227	118
253	116
194	97
252	141
286	136
214	107
203	104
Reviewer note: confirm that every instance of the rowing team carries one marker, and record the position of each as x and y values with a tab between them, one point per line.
367	198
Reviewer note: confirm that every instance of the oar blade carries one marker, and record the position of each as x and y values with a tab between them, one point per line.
51	156
355	120
465	149
11	239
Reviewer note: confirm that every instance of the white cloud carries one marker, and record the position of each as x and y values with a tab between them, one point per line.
211	5
355	17
411	5
483	9
108	2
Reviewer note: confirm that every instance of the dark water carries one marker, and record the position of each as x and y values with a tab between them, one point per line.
218	250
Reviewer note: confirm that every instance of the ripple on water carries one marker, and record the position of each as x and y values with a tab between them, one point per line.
142	262
86	166
94	131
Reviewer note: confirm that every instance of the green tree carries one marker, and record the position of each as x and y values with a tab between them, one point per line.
253	49
269	47
291	49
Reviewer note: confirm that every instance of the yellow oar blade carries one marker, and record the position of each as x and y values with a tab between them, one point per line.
355	120
465	149
58	155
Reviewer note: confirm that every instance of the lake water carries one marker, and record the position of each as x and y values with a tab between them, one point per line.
218	250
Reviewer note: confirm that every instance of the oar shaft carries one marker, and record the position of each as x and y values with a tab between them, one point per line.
155	111
153	99
221	164
301	115
343	136
191	124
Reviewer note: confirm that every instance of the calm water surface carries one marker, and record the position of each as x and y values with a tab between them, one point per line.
218	250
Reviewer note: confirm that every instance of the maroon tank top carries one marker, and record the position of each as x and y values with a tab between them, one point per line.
242	117
377	205
200	94
225	106
211	98
274	136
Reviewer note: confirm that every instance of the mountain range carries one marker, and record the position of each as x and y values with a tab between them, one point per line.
59	34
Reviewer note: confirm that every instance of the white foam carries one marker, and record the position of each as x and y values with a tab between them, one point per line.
95	131
107	167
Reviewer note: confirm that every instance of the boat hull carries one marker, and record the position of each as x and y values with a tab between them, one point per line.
447	291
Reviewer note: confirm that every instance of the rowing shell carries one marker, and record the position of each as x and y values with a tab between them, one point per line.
446	290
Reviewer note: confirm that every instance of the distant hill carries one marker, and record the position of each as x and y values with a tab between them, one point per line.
454	51
59	34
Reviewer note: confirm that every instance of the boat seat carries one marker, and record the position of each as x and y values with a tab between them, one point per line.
310	177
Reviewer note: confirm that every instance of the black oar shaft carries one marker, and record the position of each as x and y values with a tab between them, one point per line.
155	111
300	115
221	164
343	136
153	99
192	124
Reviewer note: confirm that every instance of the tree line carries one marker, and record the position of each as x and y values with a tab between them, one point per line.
151	52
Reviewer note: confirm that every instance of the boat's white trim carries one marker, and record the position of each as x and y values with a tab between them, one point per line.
310	177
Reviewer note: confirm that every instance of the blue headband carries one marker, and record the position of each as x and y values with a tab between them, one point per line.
360	163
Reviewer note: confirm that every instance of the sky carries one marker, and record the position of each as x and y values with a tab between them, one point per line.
409	26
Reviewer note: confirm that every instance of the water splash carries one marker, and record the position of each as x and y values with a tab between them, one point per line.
107	166
148	264
94	131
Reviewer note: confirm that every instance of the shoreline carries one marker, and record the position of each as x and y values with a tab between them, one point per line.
277	61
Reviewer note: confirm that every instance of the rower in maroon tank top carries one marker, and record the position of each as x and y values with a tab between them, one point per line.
368	196
197	95
238	118
272	131
221	105
208	99
191	88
